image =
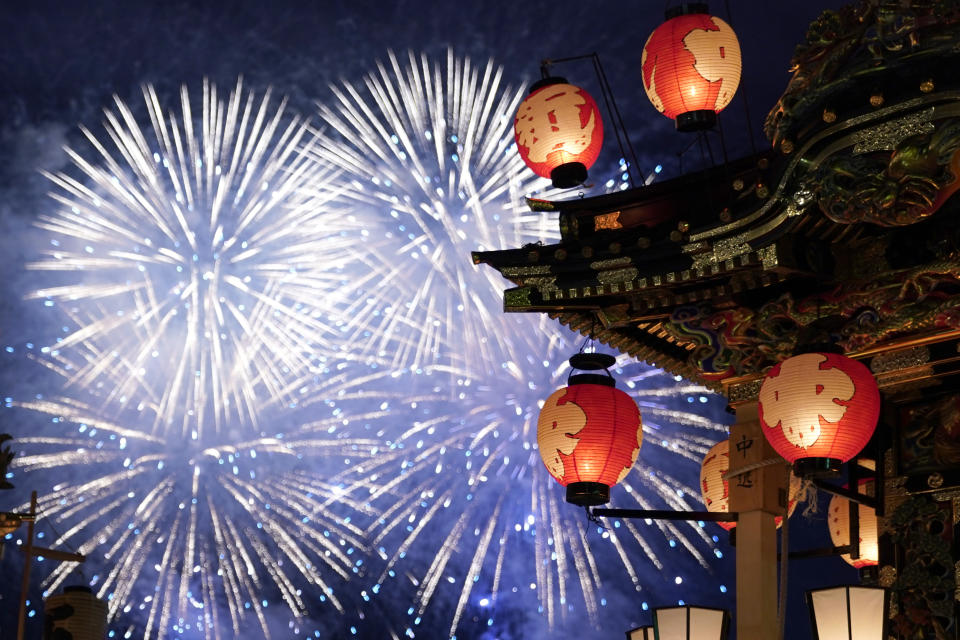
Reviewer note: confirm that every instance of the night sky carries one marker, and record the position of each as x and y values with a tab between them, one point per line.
62	64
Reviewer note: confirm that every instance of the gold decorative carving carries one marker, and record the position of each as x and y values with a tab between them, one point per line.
617	275
744	391
887	135
607	221
897	360
511	272
517	297
600	265
935	480
887	576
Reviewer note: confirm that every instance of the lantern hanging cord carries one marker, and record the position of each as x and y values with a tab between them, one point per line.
619	128
594	519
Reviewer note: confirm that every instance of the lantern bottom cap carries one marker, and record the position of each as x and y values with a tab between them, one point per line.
698	120
816	467
569	175
588	494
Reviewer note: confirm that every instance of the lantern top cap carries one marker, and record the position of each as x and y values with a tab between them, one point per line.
686	9
592	361
546	81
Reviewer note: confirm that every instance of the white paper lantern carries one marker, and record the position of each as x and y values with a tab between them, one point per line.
848	613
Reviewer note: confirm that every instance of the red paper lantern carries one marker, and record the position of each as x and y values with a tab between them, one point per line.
691	67
818	410
838	517
715	487
559	131
589	435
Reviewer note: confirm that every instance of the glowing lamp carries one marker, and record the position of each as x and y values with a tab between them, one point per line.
838	519
690	623
818	410
589	433
849	613
715	487
9	522
559	132
76	613
691	66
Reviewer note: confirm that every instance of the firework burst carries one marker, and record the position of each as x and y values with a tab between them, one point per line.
235	268
428	149
200	262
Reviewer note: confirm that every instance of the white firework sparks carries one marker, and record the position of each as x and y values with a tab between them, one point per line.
433	164
200	261
429	151
221	276
173	532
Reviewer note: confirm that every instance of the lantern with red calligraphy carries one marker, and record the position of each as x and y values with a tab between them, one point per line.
818	410
589	433
558	131
715	486
691	66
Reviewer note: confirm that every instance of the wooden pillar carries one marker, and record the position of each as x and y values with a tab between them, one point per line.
756	496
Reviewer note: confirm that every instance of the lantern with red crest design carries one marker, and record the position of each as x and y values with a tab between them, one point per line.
838	519
589	433
715	486
818	410
691	66
558	131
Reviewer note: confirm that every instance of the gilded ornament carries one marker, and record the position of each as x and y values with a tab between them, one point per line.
935	480
738	184
512	272
927	85
587	251
876	99
895	360
725	215
513	298
763	191
560	254
786	146
607	221
888	135
683	226
744	391
829	116
887	576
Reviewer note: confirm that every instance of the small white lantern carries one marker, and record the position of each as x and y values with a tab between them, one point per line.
76	613
848	613
690	623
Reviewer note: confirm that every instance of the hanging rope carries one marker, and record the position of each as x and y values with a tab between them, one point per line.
753	466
